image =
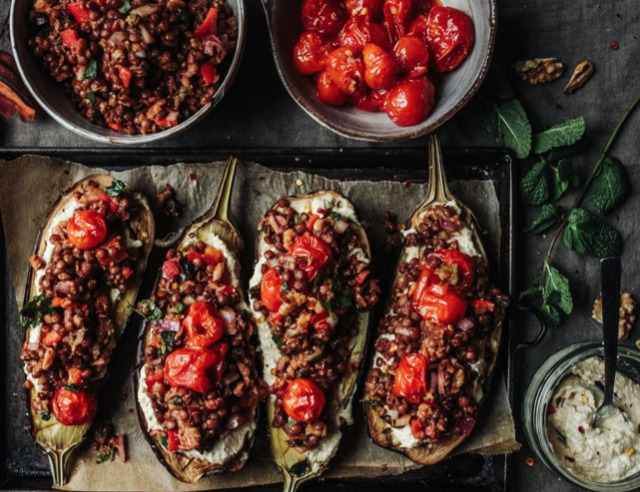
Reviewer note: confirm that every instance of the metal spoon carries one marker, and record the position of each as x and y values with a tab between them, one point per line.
610	288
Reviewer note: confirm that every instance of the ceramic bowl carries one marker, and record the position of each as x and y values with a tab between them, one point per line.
453	90
51	95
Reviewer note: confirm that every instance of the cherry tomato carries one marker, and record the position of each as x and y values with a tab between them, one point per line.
313	253
328	91
410	102
418	27
396	17
380	67
326	17
463	263
203	324
271	291
310	52
410	379
364	8
371	101
412	55
303	400
346	70
74	407
195	369
450	37
423	6
426	279
87	229
439	303
359	31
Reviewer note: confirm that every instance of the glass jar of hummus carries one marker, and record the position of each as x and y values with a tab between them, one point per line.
558	416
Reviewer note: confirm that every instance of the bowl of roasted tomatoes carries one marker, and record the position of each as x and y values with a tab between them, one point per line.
382	70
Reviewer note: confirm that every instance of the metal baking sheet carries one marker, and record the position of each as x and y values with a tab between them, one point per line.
24	467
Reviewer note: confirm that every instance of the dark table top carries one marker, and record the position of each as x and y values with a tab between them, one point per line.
258	113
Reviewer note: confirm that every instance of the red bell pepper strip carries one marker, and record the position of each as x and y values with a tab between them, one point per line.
125	75
173	443
209	24
80	14
208	72
69	38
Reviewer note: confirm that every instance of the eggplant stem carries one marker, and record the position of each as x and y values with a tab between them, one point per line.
58	461
291	483
220	208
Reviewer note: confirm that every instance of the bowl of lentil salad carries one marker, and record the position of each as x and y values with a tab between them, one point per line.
128	71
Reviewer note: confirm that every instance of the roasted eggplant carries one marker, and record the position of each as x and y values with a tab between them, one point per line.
439	339
197	386
311	295
84	278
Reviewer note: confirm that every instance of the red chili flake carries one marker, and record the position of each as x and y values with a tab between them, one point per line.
192	176
569	459
581	429
615	45
551	410
321	211
407	184
261	178
130	410
530	461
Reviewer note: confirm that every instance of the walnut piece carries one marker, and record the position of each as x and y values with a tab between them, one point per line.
627	314
539	70
582	73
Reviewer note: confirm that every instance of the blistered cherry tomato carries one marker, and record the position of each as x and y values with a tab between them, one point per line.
426	279
410	102
412	55
326	17
371	101
310	52
380	68
87	229
74	407
364	8
397	14
346	70
303	400
194	368
328	91
440	304
462	263
410	379
359	31
423	6
203	325
450	37
311	253
271	291
418	27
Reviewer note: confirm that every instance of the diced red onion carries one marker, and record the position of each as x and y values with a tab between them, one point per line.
228	315
234	422
447	225
168	325
465	324
441	388
466	425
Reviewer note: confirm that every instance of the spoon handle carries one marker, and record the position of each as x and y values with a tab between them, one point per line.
610	288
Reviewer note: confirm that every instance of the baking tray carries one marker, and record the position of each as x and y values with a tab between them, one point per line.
23	466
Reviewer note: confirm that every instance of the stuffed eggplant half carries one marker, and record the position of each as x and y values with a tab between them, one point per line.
198	389
311	293
437	342
85	275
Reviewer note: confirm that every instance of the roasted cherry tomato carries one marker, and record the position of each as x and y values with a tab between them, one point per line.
209	24
328	91
359	31
396	17
271	291
312	254
310	52
426	279
410	379
439	303
326	17
380	68
462	263
364	8
303	400
423	6
87	229
410	102
412	55
195	369
418	27
203	324
450	37
171	269
74	407
371	101
346	70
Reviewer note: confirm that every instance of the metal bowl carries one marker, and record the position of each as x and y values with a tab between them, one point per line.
453	90
51	95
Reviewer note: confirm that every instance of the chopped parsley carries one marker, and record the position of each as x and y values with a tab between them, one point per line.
91	72
125	7
106	457
91	97
335	216
179	308
163	442
277	340
148	310
117	186
285	287
73	387
33	312
167	338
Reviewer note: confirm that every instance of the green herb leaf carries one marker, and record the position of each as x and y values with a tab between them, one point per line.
285	287
563	177
73	387
610	187
300	469
534	186
163	442
44	415
565	133
335	216
551	314
510	127
588	236
125	7
91	72
549	216
167	337
179	308
530	292
91	97
106	457
556	289
277	340
148	310
344	298
32	313
116	188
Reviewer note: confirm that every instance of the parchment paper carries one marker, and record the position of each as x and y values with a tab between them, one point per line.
30	185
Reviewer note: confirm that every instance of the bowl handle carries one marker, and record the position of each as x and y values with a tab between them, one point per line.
542	332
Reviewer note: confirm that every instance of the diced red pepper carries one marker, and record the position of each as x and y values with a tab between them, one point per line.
119	253
154	378
312	220
107	199
75	376
211	256
483	304
115	126
208	72
69	37
80	14
51	338
127	272
57	302
173	443
209	25
171	269
167	122
125	75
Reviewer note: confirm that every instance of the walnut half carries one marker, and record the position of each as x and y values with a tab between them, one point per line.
627	314
539	70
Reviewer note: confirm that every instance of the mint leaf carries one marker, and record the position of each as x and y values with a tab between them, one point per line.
125	7
565	133
115	188
91	72
588	236
534	186
510	127
32	313
550	314
91	97
556	290
610	187
277	340
563	177
549	216
167	338
530	292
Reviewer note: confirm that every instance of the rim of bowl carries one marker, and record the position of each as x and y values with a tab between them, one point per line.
119	138
411	132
